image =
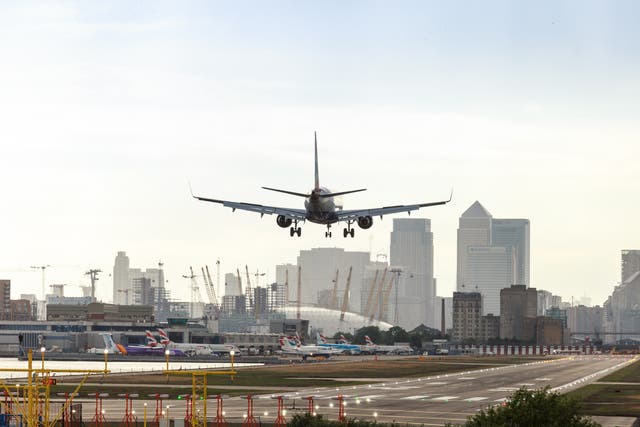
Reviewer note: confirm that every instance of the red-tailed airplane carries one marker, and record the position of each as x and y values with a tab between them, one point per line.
321	208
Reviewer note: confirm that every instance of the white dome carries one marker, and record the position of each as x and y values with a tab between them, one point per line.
328	320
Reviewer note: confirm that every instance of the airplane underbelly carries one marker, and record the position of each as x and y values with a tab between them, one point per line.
321	211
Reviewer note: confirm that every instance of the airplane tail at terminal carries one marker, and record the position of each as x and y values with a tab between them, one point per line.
109	344
164	338
320	339
368	340
287	343
151	341
343	340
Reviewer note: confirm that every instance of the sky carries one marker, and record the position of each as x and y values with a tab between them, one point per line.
108	110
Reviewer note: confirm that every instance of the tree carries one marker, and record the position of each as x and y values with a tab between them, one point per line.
533	408
396	334
372	331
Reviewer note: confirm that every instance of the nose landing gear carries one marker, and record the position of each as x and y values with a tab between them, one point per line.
328	232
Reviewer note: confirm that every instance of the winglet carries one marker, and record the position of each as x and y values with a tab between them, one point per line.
191	190
450	195
317	176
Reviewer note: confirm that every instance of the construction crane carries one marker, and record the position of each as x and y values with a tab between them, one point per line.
345	299
376	302
207	286
195	292
372	291
218	276
214	294
299	302
43	268
334	293
93	275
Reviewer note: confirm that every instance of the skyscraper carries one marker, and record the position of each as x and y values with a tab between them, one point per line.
492	254
474	229
514	233
121	284
630	263
412	251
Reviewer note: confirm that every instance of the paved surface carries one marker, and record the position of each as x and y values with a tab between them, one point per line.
430	401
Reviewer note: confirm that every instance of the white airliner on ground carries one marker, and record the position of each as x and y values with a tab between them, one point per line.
321	208
373	348
196	349
292	345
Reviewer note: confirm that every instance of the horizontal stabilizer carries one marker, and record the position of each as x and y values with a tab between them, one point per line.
341	193
293	193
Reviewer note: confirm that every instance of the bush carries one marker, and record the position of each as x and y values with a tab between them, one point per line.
533	408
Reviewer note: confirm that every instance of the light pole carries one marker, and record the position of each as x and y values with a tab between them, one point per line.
166	358
42	350
145	414
232	353
106	359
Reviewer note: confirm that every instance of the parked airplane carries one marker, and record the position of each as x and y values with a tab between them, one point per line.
136	350
290	345
196	349
321	207
371	347
321	341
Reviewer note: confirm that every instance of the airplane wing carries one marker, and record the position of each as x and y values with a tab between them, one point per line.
353	214
296	214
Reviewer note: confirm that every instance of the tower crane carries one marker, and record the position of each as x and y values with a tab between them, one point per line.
93	275
345	299
214	294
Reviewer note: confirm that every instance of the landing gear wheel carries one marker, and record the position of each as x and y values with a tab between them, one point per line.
352	232
345	232
291	231
299	231
327	234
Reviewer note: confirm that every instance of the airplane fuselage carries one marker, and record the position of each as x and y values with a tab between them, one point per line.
321	210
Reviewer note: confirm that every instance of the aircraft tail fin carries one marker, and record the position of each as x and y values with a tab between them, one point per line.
164	338
320	339
368	340
109	344
151	340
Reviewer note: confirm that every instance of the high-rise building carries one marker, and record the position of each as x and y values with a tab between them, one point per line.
318	272
545	299
5	299
467	314
492	254
518	312
412	251
514	233
121	284
630	263
474	229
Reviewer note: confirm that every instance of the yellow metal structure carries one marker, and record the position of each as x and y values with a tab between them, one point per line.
377	303
31	401
199	390
345	298
372	291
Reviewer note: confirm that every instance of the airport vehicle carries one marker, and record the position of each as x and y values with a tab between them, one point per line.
321	207
136	350
321	341
373	348
196	349
291	345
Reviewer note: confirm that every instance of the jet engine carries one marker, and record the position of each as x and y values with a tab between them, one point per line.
365	222
283	221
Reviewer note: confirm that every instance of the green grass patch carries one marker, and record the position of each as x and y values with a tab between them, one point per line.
629	374
609	400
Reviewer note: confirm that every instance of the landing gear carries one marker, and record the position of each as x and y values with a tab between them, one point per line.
348	231
295	230
328	232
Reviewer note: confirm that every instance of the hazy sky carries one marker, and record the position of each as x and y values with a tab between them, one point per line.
109	109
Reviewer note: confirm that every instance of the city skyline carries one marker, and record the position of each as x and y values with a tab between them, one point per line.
110	110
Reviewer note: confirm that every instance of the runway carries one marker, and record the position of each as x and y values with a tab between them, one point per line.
430	401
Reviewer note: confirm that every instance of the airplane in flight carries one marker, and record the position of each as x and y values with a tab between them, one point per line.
196	349
291	345
321	341
371	347
321	207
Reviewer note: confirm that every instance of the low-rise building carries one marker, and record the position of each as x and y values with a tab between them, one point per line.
467	312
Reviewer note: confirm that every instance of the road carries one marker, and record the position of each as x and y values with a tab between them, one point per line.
429	401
